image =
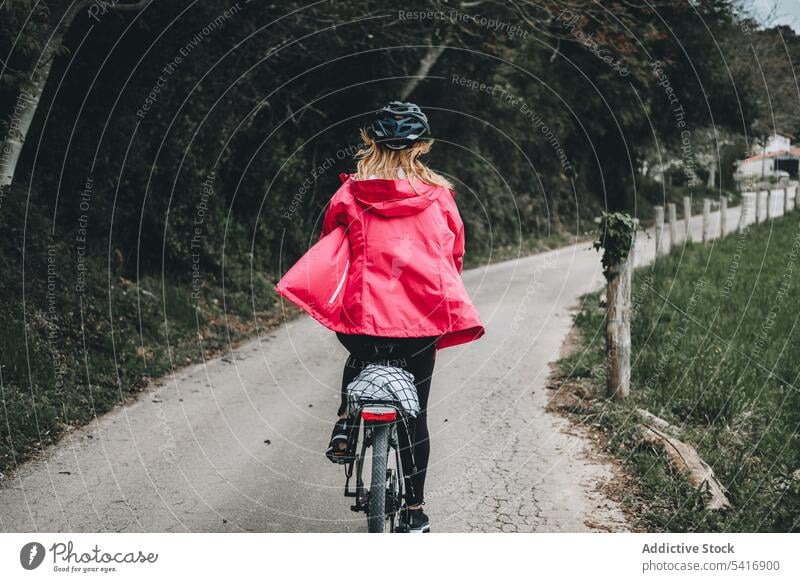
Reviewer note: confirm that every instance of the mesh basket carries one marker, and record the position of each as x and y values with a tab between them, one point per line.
384	383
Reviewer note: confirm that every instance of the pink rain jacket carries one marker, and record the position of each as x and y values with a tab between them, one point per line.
388	264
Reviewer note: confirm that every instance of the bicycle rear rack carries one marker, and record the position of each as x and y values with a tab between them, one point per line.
356	466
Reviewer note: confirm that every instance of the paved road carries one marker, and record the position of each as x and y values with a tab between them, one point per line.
235	444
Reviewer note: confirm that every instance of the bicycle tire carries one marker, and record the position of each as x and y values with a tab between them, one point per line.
376	517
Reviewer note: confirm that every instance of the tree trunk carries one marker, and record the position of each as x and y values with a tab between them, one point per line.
21	118
425	65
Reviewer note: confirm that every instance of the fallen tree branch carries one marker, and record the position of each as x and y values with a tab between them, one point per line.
686	459
655	420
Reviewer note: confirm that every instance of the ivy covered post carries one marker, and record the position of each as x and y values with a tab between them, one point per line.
617	233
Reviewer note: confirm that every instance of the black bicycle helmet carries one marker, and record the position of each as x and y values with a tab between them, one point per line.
399	125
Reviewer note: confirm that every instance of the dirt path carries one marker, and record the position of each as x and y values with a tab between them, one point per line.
235	444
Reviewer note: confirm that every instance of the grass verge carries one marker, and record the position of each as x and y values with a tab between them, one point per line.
714	333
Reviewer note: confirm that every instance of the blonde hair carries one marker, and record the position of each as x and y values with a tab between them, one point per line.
374	160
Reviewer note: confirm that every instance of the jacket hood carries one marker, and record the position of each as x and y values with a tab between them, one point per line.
392	197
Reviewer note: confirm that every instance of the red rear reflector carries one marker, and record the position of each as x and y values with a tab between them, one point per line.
387	416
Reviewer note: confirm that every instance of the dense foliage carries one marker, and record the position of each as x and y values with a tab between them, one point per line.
615	235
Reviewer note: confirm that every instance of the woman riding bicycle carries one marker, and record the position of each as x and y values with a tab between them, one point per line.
400	297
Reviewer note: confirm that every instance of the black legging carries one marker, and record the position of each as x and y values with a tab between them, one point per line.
416	355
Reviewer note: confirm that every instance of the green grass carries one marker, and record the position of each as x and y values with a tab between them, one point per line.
715	335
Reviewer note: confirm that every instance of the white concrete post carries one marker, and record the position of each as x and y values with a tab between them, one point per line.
672	217
659	230
757	208
687	217
786	200
723	217
706	218
745	211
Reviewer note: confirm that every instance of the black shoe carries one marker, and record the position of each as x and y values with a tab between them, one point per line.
339	448
416	521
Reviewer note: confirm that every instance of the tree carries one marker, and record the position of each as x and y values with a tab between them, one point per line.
42	31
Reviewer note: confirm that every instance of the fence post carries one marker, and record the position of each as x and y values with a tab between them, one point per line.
766	213
786	200
723	217
706	218
616	239
618	328
745	211
687	217
672	218
770	196
659	230
757	208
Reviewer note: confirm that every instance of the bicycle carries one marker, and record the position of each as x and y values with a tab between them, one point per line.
386	428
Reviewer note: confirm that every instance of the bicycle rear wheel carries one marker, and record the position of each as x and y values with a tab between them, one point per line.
376	518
